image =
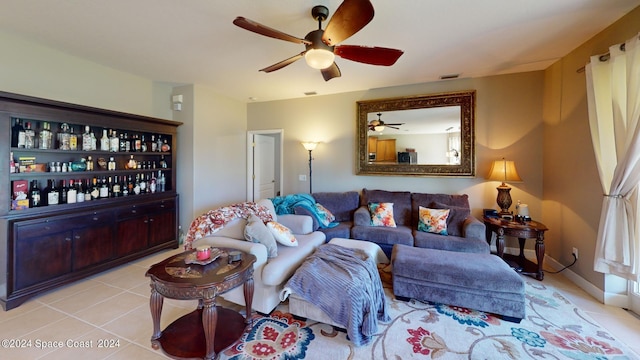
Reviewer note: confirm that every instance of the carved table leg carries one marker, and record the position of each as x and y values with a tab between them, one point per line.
540	254
500	242
209	323
155	303
488	234
248	298
521	243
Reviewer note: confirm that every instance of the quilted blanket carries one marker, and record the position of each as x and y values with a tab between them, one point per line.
346	285
214	220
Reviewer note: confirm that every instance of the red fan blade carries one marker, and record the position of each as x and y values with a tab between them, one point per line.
267	31
368	55
283	63
331	72
349	18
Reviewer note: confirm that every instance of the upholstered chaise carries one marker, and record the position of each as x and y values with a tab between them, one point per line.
270	274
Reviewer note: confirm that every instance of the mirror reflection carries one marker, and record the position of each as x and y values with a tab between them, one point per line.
429	135
415	136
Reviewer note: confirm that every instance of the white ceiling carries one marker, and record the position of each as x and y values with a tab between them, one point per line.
195	42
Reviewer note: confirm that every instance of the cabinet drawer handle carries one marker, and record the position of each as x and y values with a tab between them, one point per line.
134	211
67	239
151	220
146	221
162	205
77	237
95	218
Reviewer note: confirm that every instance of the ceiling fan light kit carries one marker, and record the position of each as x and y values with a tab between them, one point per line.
321	46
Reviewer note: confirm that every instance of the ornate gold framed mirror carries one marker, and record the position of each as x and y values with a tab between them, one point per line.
426	135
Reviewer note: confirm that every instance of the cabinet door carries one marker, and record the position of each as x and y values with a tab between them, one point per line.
93	244
132	235
41	257
162	223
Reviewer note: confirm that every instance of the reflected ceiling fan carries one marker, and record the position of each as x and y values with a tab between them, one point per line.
379	125
321	45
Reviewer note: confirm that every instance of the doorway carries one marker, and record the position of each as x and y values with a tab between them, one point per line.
264	164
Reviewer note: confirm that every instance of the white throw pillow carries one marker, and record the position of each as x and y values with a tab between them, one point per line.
282	234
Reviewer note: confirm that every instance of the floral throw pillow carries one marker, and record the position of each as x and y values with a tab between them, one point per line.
382	214
433	220
282	234
325	216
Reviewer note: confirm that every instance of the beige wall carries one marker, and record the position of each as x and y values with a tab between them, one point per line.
508	124
572	190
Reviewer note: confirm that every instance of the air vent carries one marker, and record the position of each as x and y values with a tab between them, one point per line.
450	76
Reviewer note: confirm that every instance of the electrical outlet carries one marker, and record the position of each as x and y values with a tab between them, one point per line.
575	252
302	177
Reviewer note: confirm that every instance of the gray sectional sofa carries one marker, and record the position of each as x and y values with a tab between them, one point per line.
465	232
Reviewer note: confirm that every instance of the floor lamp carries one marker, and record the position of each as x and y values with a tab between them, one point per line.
310	146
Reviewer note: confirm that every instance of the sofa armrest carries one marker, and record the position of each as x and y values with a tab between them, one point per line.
298	224
362	217
473	228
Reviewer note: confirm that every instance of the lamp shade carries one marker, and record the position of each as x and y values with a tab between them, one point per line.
319	58
310	145
503	170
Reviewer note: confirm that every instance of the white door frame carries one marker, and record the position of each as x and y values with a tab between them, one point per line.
279	171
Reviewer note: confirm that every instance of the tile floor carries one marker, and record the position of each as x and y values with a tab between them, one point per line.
112	308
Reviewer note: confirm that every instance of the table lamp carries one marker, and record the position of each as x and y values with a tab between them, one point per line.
503	170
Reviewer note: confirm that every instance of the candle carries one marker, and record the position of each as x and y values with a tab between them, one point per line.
523	210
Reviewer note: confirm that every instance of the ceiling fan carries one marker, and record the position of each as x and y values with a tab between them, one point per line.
321	45
379	125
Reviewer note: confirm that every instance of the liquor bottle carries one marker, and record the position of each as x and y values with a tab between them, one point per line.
95	189
143	184
153	145
64	137
122	145
80	196
152	184
111	165
46	137
136	185
104	141
87	192
104	189
53	195
116	190
114	142
16	130
124	187
63	192
161	181
90	165
86	139
73	139
130	185
163	162
34	195
13	166
159	144
29	137
165	146
143	145
72	193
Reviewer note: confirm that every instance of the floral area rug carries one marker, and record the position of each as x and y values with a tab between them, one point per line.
554	328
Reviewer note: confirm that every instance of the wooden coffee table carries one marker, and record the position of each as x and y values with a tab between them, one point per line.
196	335
522	230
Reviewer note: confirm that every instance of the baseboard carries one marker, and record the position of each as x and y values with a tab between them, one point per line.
618	300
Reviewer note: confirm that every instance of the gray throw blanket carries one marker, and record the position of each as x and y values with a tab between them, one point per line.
335	273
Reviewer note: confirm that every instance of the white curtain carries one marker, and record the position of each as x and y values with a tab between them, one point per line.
613	90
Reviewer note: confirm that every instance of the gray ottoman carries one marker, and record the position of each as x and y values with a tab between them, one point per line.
476	281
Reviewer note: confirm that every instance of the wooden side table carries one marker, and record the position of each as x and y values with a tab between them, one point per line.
521	230
196	335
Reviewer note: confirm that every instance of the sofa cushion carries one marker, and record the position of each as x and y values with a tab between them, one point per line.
383	235
279	269
433	220
450	243
426	200
256	231
456	218
341	204
233	229
401	203
382	214
343	230
282	234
